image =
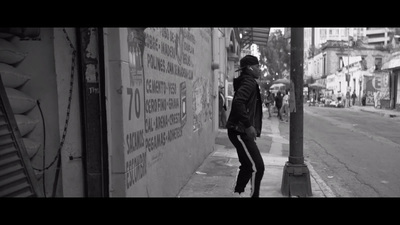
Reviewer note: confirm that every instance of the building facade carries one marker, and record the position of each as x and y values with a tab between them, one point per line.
378	35
334	55
341	67
319	35
127	112
392	65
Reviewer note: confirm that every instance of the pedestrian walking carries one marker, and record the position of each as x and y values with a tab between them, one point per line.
222	108
339	99
348	99
377	102
269	101
364	99
353	97
245	121
285	106
278	103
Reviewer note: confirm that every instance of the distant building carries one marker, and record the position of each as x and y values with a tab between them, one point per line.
341	67
378	35
334	55
253	50
322	35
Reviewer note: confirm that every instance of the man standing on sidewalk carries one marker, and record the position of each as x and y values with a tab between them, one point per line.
278	103
245	121
348	99
222	108
353	97
285	106
269	100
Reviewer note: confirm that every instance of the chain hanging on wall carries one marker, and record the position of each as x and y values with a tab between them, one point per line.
69	103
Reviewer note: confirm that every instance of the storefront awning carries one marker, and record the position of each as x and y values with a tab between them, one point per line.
393	63
253	35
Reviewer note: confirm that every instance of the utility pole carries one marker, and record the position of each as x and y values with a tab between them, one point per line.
348	59
296	176
312	41
312	56
348	68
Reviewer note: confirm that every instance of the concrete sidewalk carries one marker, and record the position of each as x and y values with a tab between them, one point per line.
216	176
391	113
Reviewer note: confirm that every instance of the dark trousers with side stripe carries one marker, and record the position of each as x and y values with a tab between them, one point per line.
251	163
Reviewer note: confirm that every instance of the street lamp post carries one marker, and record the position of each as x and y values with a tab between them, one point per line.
296	176
359	92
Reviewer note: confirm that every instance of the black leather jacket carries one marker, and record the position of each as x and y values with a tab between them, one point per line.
246	108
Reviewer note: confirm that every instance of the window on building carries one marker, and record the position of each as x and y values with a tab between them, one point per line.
232	46
323	33
335	32
324	72
381	35
341	64
378	63
364	65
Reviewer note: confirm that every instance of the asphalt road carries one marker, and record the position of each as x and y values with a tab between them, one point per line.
356	153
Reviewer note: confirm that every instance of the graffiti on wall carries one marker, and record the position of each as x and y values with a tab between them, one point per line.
379	82
201	106
202	89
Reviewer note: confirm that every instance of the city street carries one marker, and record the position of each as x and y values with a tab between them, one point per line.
356	153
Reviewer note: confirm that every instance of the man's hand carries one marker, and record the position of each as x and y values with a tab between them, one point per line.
251	132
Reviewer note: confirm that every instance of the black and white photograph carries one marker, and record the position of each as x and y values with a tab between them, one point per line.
200	112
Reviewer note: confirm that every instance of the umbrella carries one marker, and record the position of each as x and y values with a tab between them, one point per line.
277	85
282	81
317	86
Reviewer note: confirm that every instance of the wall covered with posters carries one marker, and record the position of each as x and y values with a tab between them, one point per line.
376	83
159	107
